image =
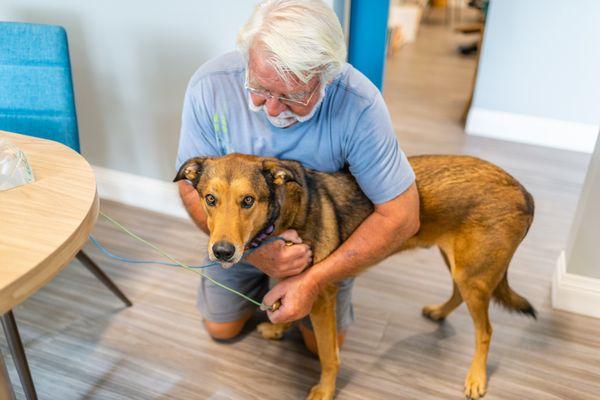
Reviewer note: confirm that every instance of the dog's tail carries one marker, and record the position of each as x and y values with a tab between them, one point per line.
504	295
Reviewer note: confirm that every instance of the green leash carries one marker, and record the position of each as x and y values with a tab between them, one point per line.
261	305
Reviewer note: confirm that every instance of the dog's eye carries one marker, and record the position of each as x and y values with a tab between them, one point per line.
210	200
247	202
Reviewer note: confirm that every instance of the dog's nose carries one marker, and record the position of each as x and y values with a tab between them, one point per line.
223	250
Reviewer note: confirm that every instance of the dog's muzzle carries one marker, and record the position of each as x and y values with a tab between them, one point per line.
223	250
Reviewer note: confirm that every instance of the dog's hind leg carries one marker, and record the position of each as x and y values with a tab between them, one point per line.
323	319
476	380
481	261
437	312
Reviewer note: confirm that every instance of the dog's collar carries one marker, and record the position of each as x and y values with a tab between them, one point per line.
258	239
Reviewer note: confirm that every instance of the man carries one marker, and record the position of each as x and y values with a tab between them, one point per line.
288	93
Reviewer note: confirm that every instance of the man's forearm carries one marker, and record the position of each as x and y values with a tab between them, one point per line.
376	238
191	201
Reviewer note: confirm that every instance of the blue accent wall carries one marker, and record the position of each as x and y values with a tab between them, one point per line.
368	37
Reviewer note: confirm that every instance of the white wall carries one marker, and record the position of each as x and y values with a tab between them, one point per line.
131	63
583	250
576	283
538	73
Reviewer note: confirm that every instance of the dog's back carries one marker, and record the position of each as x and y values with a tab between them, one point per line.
455	192
461	191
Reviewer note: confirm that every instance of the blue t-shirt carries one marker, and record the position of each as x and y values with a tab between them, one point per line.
352	126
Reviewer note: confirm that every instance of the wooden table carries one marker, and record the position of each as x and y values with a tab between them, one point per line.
43	224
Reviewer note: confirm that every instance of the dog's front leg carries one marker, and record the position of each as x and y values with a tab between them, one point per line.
323	319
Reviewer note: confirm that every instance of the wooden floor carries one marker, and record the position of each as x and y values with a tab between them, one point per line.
82	344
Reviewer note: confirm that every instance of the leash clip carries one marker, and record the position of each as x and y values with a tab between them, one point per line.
274	307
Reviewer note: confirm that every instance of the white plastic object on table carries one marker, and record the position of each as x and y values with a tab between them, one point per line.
14	168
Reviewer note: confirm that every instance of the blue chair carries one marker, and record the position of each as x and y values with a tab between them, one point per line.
36	99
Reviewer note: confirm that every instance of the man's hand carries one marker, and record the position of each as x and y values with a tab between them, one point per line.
280	261
297	295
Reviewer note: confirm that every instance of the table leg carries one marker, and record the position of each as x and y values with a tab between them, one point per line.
6	391
18	353
98	273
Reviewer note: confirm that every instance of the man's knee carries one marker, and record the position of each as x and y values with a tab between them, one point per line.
225	330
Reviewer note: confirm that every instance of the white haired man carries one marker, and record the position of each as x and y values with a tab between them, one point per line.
288	93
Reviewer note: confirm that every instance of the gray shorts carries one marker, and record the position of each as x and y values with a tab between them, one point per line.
219	305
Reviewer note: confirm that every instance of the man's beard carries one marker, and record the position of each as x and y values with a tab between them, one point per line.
287	118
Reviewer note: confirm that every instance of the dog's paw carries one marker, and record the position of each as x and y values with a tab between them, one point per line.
271	331
475	385
433	312
320	392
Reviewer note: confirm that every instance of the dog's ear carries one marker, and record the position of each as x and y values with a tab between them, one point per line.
191	170
283	171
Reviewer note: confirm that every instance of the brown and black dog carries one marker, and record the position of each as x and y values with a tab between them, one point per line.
473	211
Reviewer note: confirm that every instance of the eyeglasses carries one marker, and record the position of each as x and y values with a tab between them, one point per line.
302	98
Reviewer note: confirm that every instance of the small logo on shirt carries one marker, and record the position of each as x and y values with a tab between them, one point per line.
222	133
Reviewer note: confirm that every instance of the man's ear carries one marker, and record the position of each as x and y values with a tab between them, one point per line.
284	171
191	170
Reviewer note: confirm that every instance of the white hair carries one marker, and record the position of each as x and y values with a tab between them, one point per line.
302	38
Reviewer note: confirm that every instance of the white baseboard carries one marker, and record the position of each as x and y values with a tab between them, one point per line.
532	130
575	293
139	191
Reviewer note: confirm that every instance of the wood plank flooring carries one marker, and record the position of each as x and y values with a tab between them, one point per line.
82	344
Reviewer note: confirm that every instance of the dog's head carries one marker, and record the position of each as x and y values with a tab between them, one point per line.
245	199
